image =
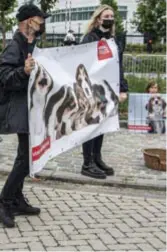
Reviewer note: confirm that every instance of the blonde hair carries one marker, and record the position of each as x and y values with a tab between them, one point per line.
93	23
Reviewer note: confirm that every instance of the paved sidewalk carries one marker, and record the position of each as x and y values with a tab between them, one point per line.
83	221
122	150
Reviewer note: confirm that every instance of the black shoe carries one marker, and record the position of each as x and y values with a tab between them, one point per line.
100	163
6	216
91	170
21	206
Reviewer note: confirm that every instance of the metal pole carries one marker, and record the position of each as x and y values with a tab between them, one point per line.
53	35
79	31
66	13
70	15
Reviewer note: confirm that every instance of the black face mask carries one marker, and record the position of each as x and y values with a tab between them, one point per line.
107	23
41	30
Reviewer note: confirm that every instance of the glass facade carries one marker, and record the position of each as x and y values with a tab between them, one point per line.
123	12
76	14
79	14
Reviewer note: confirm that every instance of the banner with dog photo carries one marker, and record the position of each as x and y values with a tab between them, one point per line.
147	113
73	97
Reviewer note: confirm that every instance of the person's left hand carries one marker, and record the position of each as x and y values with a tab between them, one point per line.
123	97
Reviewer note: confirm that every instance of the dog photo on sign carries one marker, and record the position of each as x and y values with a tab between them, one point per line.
70	108
42	84
156	108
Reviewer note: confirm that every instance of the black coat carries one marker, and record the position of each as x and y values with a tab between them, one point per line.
14	86
96	35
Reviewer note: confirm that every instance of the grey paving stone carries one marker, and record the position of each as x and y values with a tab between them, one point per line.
131	222
83	237
92	231
14	232
68	229
35	220
25	239
78	224
3	238
48	241
25	226
131	241
36	246
123	227
97	245
107	238
123	247
84	248
59	235
65	248
12	246
155	242
73	243
116	233
161	236
35	233
146	247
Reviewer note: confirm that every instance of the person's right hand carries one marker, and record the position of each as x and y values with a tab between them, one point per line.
29	64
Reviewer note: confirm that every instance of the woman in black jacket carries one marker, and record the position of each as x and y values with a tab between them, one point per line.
100	27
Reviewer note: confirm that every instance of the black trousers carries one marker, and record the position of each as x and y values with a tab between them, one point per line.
14	183
92	147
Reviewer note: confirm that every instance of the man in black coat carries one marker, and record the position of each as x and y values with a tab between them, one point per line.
16	64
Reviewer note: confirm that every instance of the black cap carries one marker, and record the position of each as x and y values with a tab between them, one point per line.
30	10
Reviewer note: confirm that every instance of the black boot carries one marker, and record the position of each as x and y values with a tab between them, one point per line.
6	215
100	163
21	206
90	169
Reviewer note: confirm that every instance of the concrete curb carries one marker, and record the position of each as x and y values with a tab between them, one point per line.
109	181
74	178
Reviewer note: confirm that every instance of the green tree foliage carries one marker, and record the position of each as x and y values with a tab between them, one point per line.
6	7
118	19
46	6
151	17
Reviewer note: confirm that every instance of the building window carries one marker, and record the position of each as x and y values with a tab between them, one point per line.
123	14
83	13
123	11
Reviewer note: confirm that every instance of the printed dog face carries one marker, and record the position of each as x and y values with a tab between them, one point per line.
106	101
100	98
85	98
40	89
156	113
83	81
156	105
42	85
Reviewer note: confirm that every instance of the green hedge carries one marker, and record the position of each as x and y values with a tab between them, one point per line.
144	64
141	48
138	85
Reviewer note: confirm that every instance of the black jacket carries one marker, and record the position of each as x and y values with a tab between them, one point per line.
96	35
14	86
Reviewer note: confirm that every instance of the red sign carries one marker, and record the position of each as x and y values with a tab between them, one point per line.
139	127
39	150
104	51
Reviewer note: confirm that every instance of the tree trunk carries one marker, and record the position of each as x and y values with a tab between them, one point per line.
3	29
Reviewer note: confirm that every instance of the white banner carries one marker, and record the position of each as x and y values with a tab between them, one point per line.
147	113
73	97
